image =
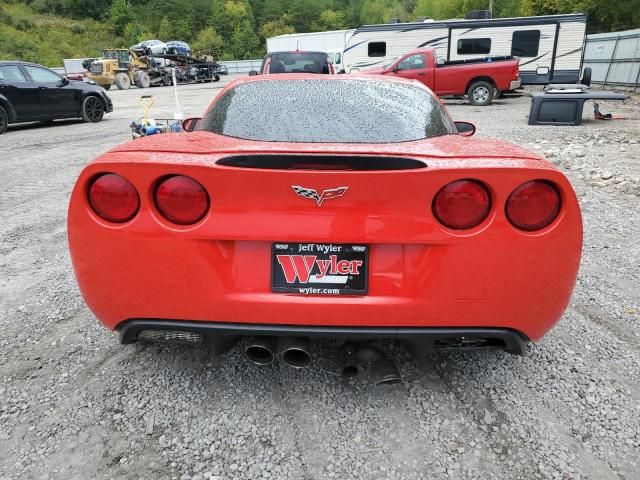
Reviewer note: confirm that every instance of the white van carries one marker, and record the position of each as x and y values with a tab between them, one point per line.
335	57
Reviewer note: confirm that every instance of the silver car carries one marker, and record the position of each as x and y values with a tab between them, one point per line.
151	47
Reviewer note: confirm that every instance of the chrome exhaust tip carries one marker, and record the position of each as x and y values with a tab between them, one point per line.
295	351
260	350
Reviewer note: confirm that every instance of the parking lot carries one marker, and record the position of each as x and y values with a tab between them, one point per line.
75	404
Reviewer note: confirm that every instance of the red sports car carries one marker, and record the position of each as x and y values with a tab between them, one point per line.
306	206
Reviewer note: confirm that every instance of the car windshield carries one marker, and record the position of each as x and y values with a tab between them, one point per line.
299	62
328	111
389	63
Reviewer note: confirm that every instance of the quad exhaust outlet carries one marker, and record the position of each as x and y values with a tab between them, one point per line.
353	359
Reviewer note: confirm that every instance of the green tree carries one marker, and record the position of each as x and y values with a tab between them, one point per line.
208	39
132	33
507	8
376	11
95	9
604	15
165	31
305	12
439	10
281	26
329	20
119	15
237	29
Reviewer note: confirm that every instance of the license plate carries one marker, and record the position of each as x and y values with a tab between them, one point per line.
319	268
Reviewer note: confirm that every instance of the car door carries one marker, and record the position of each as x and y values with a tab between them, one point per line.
20	91
58	97
413	67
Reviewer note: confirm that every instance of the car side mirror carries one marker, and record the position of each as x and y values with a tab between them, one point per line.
64	81
190	124
466	129
253	73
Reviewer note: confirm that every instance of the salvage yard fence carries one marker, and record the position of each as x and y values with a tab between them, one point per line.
614	58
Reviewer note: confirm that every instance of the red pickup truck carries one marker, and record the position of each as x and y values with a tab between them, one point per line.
479	78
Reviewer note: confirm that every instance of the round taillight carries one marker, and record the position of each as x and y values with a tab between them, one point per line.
462	204
114	198
533	205
181	200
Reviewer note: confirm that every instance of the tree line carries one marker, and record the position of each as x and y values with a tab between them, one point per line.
46	31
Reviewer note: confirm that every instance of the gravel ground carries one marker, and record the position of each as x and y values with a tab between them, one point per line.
74	404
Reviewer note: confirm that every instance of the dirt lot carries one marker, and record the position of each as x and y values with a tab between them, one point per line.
74	404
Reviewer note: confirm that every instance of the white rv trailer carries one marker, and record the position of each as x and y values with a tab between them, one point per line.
549	47
333	42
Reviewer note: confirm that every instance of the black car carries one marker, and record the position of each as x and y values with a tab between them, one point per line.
30	92
295	62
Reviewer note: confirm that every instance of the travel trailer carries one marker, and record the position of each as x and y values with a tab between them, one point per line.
549	47
332	42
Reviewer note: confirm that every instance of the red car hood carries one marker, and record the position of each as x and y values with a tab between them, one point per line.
448	146
373	71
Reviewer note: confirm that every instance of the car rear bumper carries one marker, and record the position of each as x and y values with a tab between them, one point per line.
515	84
410	286
222	336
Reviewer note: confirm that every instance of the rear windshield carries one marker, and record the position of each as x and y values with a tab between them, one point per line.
299	62
331	111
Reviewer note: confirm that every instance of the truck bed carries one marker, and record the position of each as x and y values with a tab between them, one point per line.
497	58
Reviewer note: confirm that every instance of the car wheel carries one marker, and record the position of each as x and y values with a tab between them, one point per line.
123	82
142	80
4	120
92	109
480	93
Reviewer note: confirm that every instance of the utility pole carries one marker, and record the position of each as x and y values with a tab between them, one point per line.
491	7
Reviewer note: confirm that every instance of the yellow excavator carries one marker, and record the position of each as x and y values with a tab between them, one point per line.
120	67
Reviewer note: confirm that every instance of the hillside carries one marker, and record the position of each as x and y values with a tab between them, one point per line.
47	38
46	31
